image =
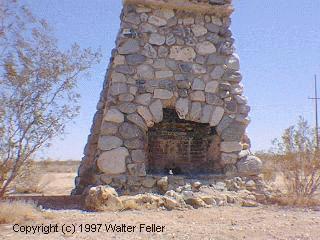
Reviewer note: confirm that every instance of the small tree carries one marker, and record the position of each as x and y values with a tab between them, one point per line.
298	160
37	87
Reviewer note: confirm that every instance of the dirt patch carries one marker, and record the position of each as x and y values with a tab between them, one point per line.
223	223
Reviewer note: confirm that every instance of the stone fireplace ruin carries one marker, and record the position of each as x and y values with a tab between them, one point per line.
172	103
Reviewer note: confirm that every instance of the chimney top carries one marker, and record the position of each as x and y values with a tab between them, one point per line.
220	8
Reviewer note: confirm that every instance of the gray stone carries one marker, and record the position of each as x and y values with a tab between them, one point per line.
132	18
145	72
163	52
144	17
199	30
217	21
126	97
183	93
180	77
118	77
179	53
231	106
163	183
212	28
135	143
170	39
198	84
118	88
159	64
233	77
114	161
129	130
162	94
198	96
225	86
106	179
138	156
138	120
201	59
185	67
114	115
249	166
212	87
228	158
233	62
183	84
156	110
127	107
198	69
144	99
230	170
244	109
106	143
205	48
243	153
142	9
135	59
206	114
213	99
149	182
188	21
157	39
172	64
125	69
146	115
147	28
217	72
108	128
224	124
137	169
164	74
216	117
149	51
128	47
215	59
229	147
167	84
182	107
234	132
118	60
195	112
133	90
241	99
157	21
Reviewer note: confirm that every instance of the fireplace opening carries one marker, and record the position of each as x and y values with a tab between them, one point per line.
177	146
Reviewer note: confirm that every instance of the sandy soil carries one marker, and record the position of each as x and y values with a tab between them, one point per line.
217	223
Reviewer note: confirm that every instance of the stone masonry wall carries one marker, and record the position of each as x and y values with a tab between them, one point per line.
165	58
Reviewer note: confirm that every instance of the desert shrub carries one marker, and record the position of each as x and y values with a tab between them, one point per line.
38	87
269	169
18	211
28	179
297	158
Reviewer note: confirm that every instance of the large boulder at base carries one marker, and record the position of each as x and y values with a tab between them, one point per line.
102	198
249	166
142	201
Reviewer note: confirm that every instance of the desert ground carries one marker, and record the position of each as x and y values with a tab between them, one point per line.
219	223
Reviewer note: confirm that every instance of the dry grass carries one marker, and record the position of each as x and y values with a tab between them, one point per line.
287	200
18	212
183	5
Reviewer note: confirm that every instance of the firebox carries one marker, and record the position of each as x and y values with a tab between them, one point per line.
177	146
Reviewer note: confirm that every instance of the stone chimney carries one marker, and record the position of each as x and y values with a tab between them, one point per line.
172	103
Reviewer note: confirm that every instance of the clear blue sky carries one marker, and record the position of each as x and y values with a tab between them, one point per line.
278	42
